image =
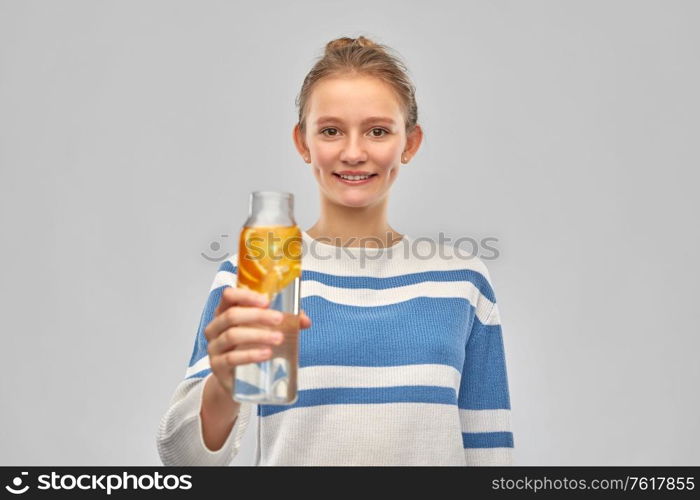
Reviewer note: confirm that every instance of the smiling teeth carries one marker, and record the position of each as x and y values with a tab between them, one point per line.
355	177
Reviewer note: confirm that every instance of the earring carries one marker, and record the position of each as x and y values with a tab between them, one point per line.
306	159
403	159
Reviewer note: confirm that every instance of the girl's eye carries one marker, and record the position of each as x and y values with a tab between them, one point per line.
335	132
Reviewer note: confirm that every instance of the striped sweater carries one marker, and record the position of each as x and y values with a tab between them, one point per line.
404	364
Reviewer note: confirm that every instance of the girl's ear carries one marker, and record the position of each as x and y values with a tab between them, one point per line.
299	142
413	141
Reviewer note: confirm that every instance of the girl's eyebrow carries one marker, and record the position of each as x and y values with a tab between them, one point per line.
324	119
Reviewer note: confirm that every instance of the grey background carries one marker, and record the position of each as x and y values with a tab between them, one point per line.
132	132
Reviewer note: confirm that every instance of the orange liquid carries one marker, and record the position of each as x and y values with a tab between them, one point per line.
269	258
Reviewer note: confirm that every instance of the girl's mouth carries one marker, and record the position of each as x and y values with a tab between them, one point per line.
353	180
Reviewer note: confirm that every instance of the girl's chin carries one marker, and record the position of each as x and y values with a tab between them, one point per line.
356	200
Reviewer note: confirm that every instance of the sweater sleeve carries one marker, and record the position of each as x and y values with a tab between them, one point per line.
179	437
484	400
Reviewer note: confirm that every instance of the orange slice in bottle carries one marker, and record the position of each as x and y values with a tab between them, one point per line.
269	257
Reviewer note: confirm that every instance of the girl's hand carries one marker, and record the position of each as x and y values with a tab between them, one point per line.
242	331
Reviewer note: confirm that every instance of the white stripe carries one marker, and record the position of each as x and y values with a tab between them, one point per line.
368	297
485	420
362	434
495	318
489	456
200	365
224	278
320	377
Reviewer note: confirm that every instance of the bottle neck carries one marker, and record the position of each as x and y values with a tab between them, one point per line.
271	208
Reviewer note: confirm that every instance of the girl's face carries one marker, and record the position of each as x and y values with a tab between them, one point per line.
354	123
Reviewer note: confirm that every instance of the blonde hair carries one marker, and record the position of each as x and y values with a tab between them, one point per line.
361	56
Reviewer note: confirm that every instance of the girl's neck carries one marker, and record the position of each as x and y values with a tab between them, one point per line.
359	234
346	236
340	225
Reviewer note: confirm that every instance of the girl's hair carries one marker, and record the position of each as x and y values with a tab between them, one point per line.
361	56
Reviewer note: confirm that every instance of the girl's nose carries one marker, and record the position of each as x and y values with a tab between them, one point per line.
353	152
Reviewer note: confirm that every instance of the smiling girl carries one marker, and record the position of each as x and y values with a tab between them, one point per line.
404	363
357	125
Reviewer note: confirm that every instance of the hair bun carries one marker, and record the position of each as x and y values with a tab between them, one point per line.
342	42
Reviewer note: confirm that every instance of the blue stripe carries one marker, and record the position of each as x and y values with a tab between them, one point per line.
200	342
487	439
422	330
366	395
403	280
484	383
227	266
479	281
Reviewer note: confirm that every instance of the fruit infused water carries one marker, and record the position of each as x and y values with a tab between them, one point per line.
269	262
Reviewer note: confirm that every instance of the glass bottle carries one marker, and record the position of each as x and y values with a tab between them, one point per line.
269	262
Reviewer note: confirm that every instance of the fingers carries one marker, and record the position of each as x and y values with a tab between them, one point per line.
238	336
305	321
223	365
239	306
236	316
245	356
232	296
